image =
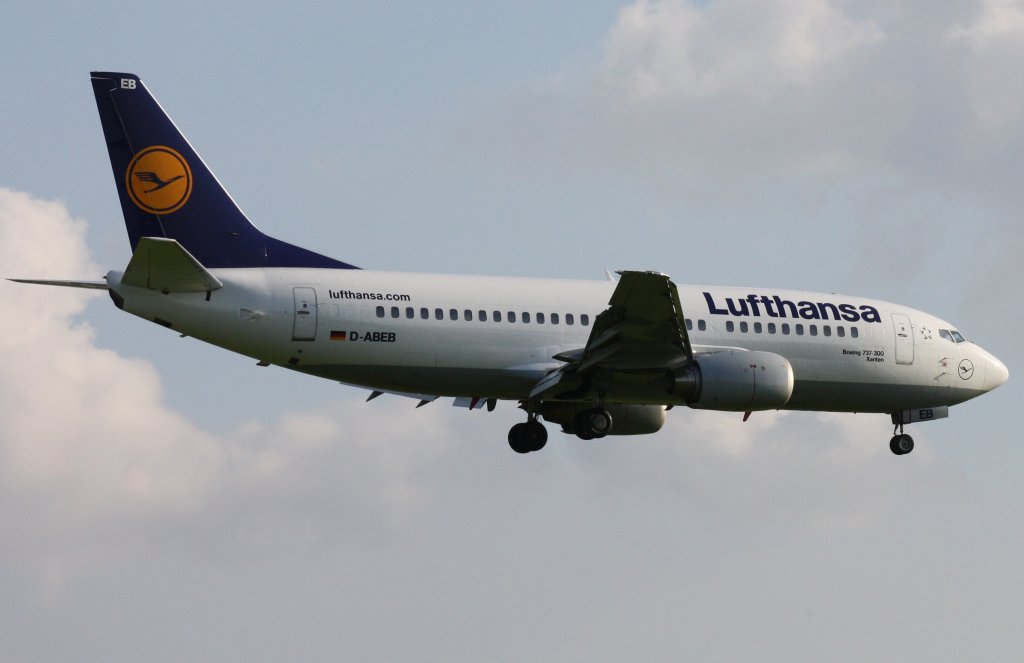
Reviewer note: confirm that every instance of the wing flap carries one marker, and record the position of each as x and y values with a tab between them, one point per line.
163	264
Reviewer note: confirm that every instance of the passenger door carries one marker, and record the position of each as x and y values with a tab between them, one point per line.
304	327
904	338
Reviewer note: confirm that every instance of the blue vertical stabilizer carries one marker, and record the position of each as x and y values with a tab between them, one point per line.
167	191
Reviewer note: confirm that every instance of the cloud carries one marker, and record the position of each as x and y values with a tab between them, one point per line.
695	101
86	440
677	50
992	42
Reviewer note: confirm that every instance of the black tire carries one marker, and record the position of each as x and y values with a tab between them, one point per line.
517	440
892	445
535	436
905	444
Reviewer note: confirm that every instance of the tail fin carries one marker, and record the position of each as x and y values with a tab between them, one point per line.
167	191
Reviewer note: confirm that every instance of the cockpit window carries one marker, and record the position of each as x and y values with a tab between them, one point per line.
952	336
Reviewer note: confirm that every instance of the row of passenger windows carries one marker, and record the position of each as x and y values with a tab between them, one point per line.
584	319
798	329
484	316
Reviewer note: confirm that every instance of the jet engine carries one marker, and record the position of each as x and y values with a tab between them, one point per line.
735	380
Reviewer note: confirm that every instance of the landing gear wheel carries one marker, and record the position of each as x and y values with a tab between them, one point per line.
528	436
536	435
901	444
516	439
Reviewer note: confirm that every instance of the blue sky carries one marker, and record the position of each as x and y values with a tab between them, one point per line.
165	500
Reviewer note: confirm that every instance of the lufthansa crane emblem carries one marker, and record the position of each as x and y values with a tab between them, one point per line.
159	180
966	369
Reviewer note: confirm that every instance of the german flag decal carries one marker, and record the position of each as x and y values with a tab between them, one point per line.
338	335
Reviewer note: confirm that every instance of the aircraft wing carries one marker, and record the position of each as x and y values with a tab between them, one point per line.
641	332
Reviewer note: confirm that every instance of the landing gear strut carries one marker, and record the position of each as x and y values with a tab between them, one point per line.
901	443
527	436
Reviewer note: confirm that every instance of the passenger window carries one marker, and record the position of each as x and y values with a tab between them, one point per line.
482	315
526	317
467	315
799	330
853	332
453	314
814	330
689	325
826	330
569	320
424	313
757	327
701	325
744	327
729	326
554	318
394	311
840	332
785	329
771	327
380	311
409	313
511	316
585	320
496	316
540	318
439	314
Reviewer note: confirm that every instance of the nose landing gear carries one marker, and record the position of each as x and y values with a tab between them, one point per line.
901	443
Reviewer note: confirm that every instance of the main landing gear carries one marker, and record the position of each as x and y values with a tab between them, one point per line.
901	443
586	424
527	436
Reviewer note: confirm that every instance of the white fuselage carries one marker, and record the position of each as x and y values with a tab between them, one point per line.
495	337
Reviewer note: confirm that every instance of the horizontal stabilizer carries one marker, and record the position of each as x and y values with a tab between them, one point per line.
91	285
162	264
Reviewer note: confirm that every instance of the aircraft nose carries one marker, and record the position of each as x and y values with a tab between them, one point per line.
996	373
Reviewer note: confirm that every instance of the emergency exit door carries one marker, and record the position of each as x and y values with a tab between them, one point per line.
304	327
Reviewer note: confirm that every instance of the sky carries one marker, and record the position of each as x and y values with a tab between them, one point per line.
163	500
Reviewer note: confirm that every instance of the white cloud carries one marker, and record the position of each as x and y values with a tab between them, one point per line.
85	440
733	47
994	46
91	455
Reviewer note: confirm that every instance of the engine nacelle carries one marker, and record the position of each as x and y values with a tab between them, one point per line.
626	419
737	381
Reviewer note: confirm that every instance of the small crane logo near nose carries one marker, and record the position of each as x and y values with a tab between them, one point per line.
966	369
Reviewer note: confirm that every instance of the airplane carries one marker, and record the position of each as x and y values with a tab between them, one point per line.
596	358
